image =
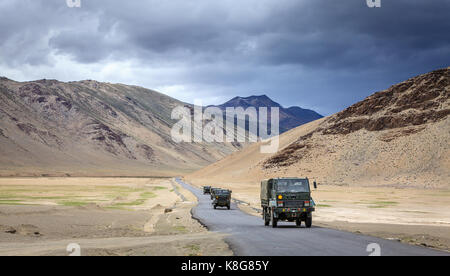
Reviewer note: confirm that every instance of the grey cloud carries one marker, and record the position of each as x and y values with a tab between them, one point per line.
320	53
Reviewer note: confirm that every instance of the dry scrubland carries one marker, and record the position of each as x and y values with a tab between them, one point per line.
106	216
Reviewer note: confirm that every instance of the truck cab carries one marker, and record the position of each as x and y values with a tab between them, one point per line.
287	199
222	198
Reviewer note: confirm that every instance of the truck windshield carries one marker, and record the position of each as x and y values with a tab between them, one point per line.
293	186
222	192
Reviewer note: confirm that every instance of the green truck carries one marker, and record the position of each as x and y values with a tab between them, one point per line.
206	190
287	199
222	198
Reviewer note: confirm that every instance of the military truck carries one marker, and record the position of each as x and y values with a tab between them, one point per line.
222	198
206	190
287	199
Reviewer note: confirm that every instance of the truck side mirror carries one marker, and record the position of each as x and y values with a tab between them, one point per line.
315	185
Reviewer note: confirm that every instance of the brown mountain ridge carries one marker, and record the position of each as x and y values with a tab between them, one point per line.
91	128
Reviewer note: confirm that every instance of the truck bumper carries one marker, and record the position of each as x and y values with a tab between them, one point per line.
220	203
292	213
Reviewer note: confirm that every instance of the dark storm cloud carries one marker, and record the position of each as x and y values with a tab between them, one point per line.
317	53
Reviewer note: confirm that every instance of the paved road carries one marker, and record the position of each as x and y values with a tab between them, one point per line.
249	237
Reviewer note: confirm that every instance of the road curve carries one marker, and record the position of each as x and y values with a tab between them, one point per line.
249	237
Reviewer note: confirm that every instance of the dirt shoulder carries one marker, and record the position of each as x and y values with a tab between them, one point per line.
105	217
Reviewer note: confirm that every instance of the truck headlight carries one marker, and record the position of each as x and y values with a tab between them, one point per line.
280	197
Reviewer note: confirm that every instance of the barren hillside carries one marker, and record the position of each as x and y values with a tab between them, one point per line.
398	137
49	127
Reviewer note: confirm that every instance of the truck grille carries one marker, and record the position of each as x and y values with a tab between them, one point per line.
293	204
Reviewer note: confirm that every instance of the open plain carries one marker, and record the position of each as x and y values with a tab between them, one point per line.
105	216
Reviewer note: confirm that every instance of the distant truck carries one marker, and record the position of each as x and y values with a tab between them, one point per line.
222	198
206	190
287	199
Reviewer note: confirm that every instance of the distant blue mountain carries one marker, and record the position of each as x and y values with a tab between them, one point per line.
290	118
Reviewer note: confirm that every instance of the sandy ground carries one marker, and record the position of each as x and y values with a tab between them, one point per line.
105	216
414	216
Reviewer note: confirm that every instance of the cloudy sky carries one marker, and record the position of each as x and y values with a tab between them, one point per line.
319	54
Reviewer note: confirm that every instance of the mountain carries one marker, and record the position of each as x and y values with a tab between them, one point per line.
289	117
397	137
49	127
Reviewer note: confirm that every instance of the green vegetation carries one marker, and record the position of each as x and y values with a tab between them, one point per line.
159	188
136	202
74	203
324	205
148	195
382	204
11	202
194	248
180	228
117	196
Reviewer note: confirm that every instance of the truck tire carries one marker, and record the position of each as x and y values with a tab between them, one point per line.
229	207
298	222
215	206
266	218
274	221
308	222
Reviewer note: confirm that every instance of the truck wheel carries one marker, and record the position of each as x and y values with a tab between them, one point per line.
266	218
308	222
298	222
215	206
274	221
229	207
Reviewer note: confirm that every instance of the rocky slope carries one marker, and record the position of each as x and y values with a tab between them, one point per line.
397	137
90	128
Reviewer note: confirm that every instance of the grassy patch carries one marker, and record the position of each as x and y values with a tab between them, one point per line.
159	188
11	202
180	228
148	195
137	202
382	204
73	203
77	195
324	205
194	249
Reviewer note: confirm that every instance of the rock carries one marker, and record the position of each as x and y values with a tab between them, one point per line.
8	229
